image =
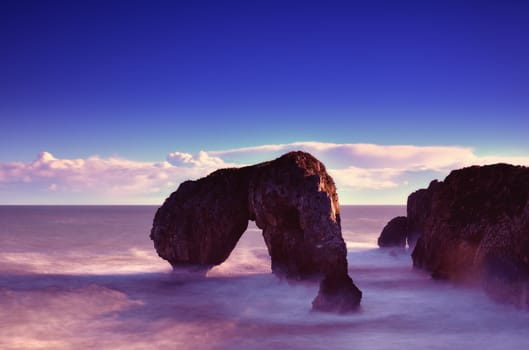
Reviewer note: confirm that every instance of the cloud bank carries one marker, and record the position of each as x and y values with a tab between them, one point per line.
96	180
364	173
375	167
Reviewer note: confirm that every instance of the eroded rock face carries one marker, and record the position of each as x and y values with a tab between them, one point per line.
292	199
200	224
418	209
474	226
394	234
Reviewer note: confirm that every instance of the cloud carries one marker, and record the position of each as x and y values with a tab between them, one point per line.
364	173
359	178
363	155
371	166
202	159
95	179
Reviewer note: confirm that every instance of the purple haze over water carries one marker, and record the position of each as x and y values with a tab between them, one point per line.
88	277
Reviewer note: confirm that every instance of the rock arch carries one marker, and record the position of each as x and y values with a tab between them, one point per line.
292	199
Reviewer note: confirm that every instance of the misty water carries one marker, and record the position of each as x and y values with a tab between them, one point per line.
89	278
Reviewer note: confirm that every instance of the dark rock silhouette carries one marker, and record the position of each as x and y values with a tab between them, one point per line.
474	227
200	223
292	199
394	233
418	209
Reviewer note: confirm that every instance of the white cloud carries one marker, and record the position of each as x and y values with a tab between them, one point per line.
363	155
106	180
384	171
359	178
374	166
202	159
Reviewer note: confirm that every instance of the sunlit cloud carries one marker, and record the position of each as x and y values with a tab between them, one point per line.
202	159
354	177
96	179
376	167
362	172
364	155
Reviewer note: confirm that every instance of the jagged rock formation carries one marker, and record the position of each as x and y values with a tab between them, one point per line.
292	199
418	209
394	233
474	226
200	223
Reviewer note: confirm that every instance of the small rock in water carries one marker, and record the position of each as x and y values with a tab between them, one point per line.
394	233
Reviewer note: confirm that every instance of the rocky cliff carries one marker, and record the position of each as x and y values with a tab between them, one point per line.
474	227
292	199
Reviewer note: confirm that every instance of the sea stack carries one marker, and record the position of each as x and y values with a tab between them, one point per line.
292	199
474	227
394	234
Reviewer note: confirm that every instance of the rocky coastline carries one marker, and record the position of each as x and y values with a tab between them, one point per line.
473	227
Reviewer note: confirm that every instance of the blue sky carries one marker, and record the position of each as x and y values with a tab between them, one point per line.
130	82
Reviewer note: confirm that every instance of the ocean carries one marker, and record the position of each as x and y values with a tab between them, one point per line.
88	277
